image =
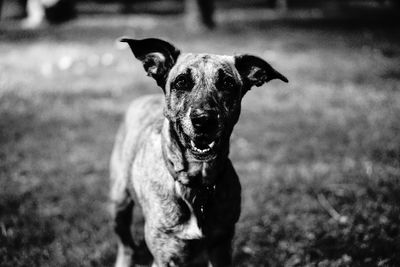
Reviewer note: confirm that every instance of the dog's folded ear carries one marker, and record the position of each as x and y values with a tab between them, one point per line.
157	56
255	71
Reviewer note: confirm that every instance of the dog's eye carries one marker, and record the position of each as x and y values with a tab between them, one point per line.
182	83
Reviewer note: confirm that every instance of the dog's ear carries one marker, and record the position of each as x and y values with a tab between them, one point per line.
157	56
255	71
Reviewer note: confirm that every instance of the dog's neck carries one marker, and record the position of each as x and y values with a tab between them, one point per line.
195	181
183	167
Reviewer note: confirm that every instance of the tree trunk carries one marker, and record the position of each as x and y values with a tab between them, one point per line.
58	11
281	5
199	14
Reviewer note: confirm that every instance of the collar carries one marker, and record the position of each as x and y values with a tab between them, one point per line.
172	153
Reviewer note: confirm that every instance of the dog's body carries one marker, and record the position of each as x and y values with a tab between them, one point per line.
171	155
174	230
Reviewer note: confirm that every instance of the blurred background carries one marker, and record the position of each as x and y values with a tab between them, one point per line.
318	158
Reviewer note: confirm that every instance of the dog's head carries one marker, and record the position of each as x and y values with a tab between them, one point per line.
203	92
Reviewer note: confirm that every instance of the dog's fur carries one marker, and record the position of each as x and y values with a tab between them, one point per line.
171	155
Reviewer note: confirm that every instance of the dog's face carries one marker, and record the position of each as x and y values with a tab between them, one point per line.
203	92
203	95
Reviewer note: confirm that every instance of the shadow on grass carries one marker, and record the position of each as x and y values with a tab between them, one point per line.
296	231
96	27
24	232
52	201
370	238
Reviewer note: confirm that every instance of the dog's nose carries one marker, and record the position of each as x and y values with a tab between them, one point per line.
204	121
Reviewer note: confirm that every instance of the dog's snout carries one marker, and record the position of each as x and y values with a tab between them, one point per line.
204	120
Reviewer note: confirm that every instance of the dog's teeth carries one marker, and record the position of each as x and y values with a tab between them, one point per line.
211	145
195	148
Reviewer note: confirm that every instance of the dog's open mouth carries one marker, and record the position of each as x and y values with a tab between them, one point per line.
202	147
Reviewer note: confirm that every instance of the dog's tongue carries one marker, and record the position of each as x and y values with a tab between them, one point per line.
201	145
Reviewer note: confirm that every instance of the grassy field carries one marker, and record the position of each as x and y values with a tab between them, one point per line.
319	158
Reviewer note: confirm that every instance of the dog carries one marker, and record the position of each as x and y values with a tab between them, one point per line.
171	155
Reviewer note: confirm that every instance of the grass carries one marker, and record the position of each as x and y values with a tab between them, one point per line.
331	136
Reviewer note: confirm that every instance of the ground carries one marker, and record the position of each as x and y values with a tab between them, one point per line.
318	158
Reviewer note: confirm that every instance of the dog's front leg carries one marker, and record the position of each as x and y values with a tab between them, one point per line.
122	213
220	251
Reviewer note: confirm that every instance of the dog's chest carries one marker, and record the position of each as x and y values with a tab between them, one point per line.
159	196
190	229
189	225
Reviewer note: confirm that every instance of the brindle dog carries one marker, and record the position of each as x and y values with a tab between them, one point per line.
171	155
